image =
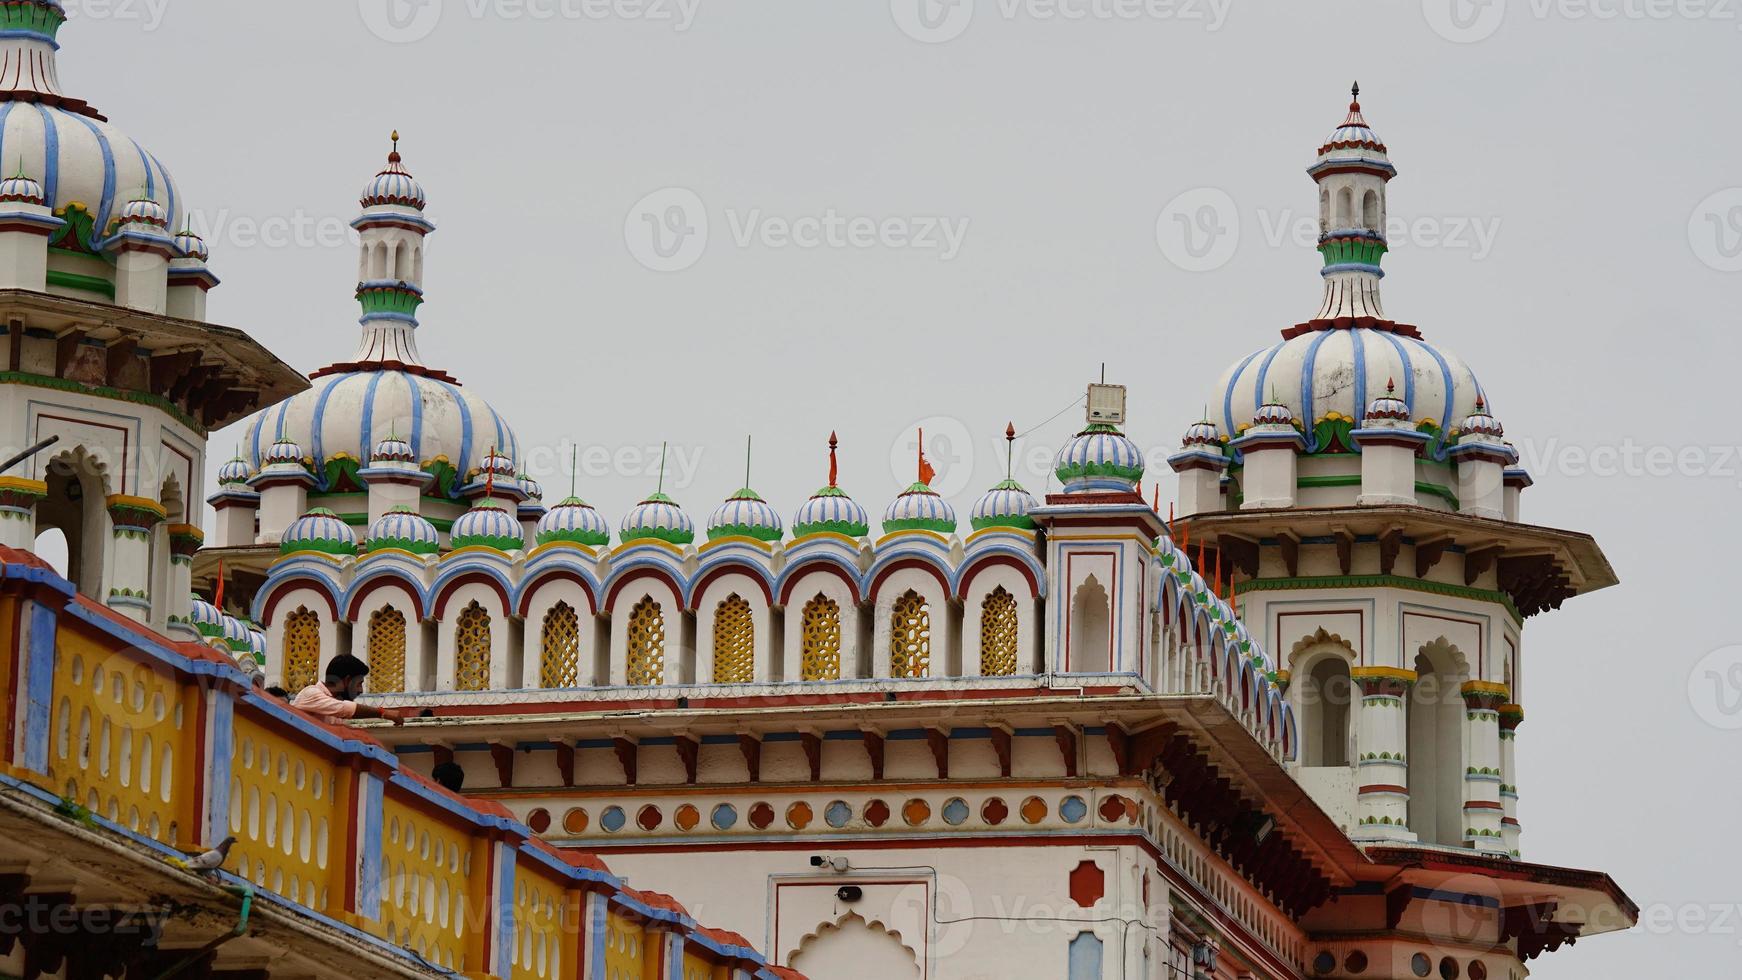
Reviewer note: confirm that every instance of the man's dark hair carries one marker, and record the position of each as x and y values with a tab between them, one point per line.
344	667
449	775
278	692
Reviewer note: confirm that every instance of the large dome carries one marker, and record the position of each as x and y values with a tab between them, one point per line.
1325	374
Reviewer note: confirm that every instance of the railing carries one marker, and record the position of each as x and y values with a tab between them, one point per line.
164	745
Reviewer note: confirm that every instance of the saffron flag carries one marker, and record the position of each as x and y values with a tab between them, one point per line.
926	472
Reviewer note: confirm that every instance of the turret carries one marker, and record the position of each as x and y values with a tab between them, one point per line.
283	484
1352	170
26	224
1272	446
391	230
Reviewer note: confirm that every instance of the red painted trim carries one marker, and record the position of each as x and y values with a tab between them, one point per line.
1070	604
276	596
448	590
731	568
973	567
1384	788
906	563
765	701
553	575
657	573
373	586
798	572
1483	805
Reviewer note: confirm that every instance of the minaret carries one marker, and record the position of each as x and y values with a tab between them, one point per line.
1352	171
28	46
390	264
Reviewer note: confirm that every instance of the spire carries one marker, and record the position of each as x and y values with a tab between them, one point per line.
1010	450
834	464
1352	170
392	229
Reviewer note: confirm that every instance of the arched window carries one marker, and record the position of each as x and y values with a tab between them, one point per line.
559	660
646	664
386	651
1345	208
472	649
1325	697
1370	211
998	634
734	642
302	649
821	650
1436	746
910	637
1091	637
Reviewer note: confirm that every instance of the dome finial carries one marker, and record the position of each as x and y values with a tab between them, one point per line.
1355	97
393	156
1009	450
834	465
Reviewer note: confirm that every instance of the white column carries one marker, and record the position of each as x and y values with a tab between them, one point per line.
1382	771
1483	808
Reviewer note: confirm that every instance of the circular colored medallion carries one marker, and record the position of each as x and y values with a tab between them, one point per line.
916	812
799	816
538	820
876	813
687	817
1034	810
613	819
994	811
761	815
837	814
1071	810
575	821
956	812
724	817
649	818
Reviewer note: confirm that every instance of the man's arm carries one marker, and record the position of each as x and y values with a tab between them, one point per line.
394	715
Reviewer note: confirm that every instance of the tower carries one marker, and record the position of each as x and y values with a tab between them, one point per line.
1352	170
392	230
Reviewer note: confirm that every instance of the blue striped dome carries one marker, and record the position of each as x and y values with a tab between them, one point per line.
393	185
745	514
532	488
1005	505
1100	458
1331	375
205	617
318	530
347	413
497	465
257	645
1353	142
406	530
192	246
657	517
1271	413
1388	408
21	190
235	472
236	635
1480	423
487	525
283	451
392	450
830	509
573	520
145	211
919	508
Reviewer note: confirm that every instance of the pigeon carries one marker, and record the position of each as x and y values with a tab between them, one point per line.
207	863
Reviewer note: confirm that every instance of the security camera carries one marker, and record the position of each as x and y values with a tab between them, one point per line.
838	865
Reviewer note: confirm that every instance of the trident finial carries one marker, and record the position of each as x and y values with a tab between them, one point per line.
1355	94
834	467
1009	450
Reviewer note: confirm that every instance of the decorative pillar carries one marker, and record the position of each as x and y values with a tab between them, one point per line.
1511	716
184	540
1482	456
531	510
1388	442
1483	811
18	500
1200	464
238	510
1517	480
130	568
189	279
1382	790
26	225
393	478
283	484
143	249
1271	447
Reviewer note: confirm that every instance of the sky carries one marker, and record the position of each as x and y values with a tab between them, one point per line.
662	222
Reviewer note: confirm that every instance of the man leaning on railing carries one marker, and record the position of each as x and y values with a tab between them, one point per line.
335	698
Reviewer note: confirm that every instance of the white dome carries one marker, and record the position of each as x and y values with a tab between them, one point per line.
657	517
830	509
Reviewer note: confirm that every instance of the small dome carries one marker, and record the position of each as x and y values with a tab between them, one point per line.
533	489
1480	423
575	521
406	530
236	635
145	211
283	452
1005	505
192	246
1388	407
394	185
919	508
393	450
487	525
318	530
205	617
22	190
1352	143
657	517
1202	434
496	465
234	473
1273	413
830	509
1098	458
747	514
257	645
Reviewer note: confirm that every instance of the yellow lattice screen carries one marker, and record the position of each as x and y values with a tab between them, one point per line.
998	634
559	663
387	651
302	649
284	811
734	642
822	640
646	663
910	637
472	649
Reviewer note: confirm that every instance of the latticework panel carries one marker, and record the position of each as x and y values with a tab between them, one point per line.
302	649
734	642
998	634
387	651
472	649
426	867
559	661
910	637
646	663
822	640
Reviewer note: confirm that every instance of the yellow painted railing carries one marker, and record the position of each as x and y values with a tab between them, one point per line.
164	746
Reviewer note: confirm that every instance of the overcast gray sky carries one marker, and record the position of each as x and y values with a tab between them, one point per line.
1569	174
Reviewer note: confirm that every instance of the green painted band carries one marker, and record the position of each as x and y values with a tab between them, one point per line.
89	284
1381	582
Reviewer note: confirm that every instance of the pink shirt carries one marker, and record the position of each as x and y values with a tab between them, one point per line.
316	699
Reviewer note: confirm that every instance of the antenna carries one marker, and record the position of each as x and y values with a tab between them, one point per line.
1009	450
747	461
661	468
574	464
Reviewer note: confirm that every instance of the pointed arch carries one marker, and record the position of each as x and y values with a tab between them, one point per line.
1000	633
1435	751
472	648
1091	637
820	648
559	659
734	641
302	649
910	636
645	665
386	653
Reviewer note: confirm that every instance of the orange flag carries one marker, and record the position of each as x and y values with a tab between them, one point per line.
218	590
926	472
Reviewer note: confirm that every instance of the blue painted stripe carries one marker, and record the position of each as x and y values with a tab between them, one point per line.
366	446
596	942
1446	420
169	188
316	436
1228	396
1358	346
505	942
369	871
145	162
416	415
105	208
51	158
218	762
5	114
463	464
1408	370
1307	418
39	690
1258	389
